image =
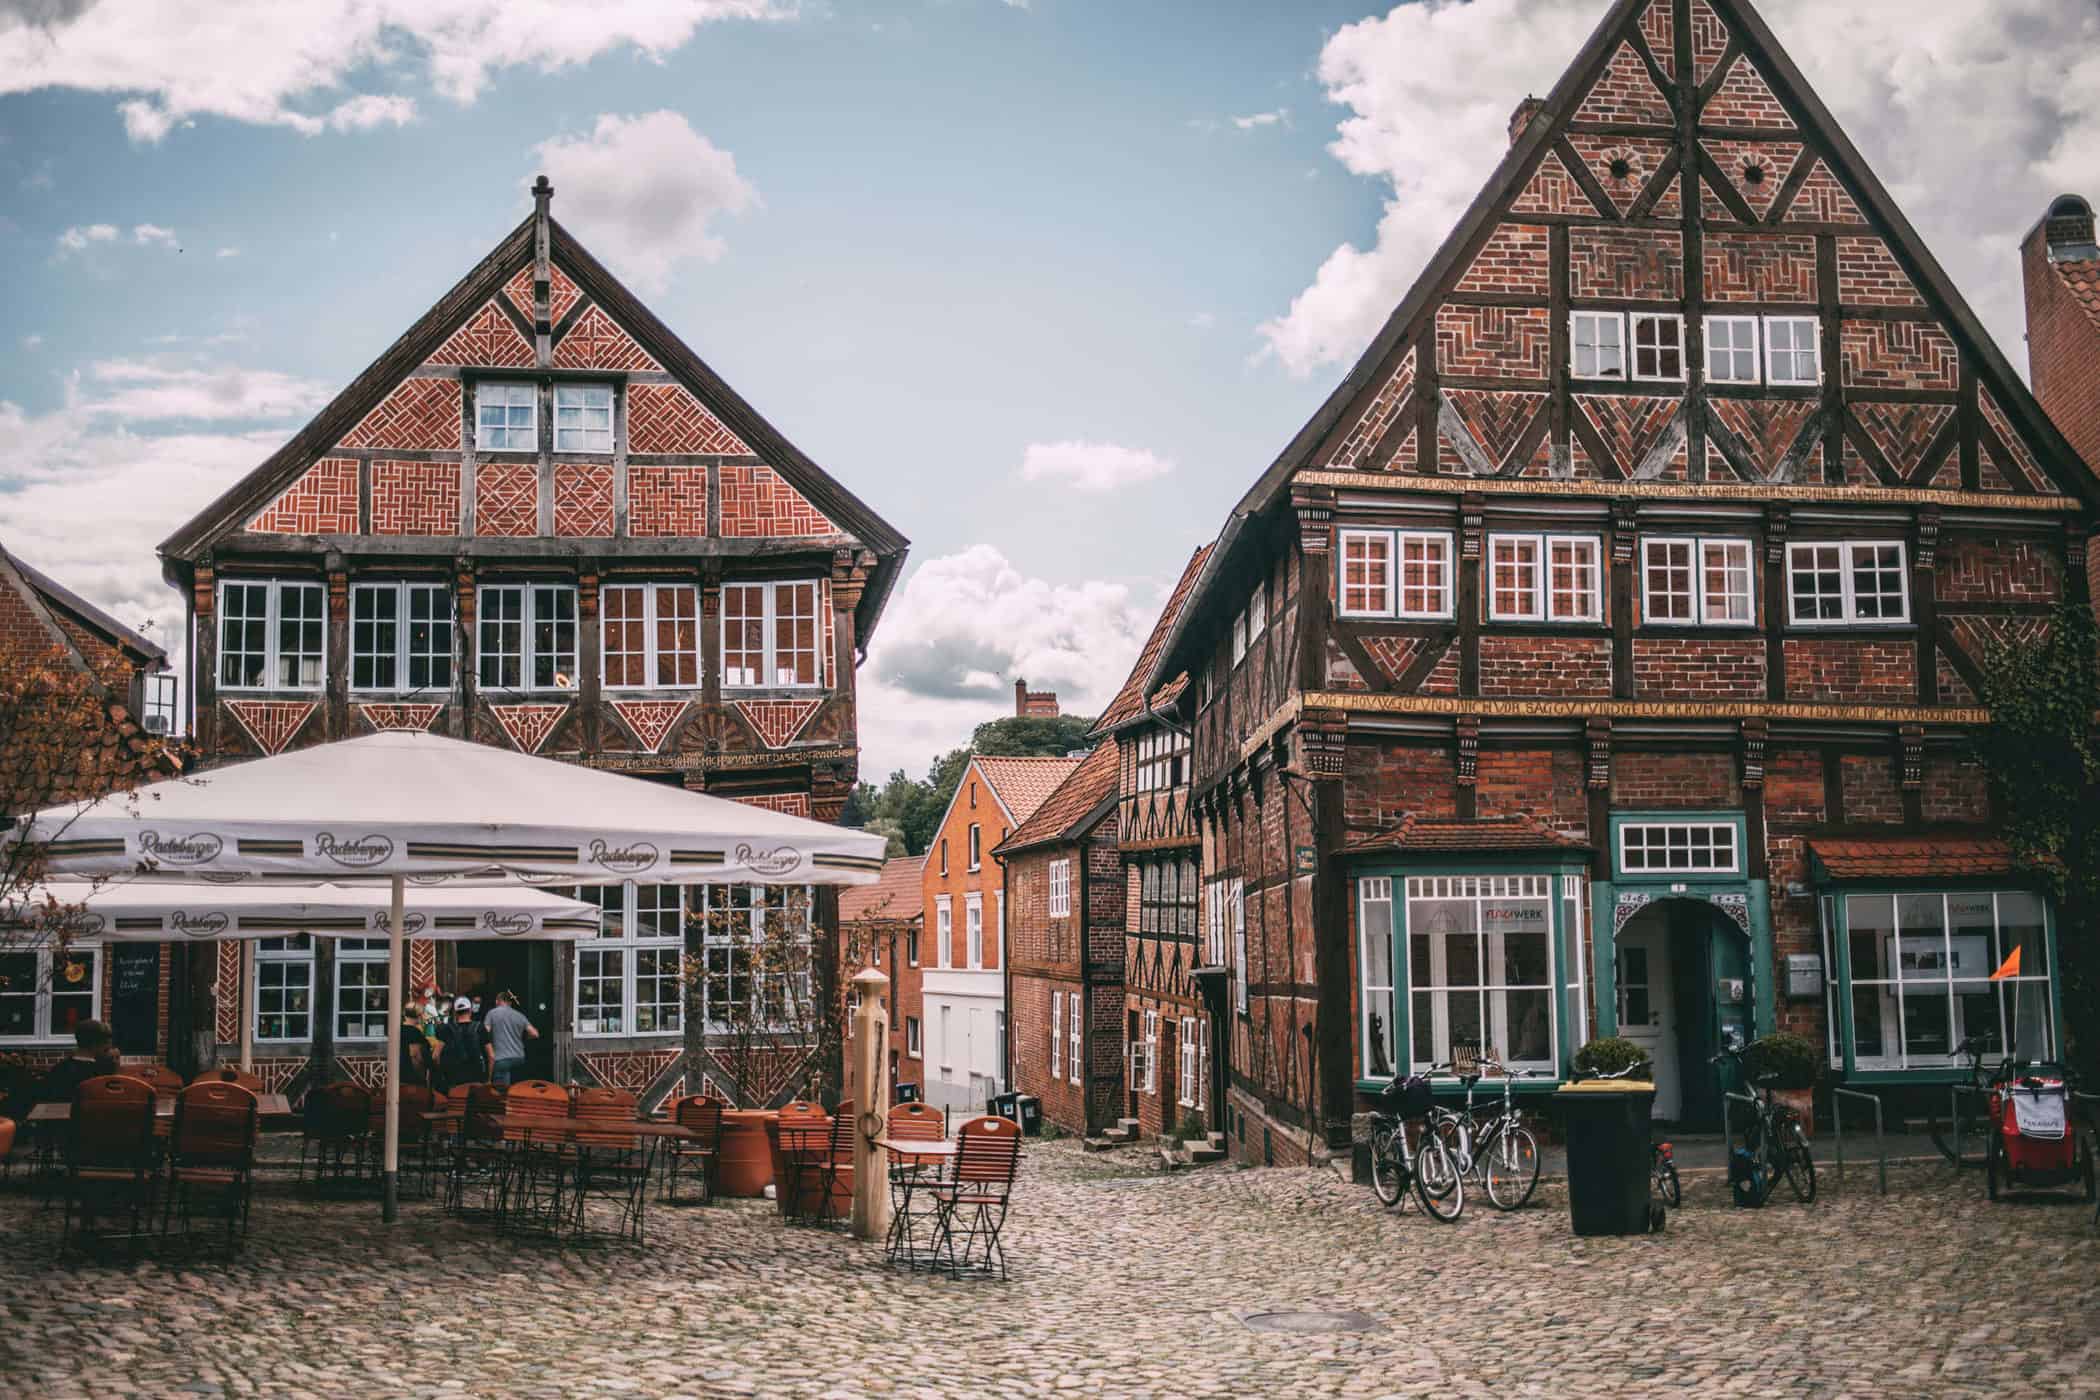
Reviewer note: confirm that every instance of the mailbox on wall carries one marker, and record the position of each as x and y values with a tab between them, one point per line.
1804	976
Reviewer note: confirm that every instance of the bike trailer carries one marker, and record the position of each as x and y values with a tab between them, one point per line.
2032	1114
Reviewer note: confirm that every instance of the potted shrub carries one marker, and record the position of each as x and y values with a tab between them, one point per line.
1612	1056
1795	1064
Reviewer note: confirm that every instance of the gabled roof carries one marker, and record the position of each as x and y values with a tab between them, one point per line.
896	895
1913	857
1129	703
1453	836
1079	801
226	514
57	597
1273	486
1021	784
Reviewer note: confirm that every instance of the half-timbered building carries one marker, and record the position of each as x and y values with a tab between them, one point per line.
538	520
1604	655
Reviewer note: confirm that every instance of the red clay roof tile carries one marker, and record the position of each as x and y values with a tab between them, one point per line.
1087	787
897	895
1913	857
1023	783
1130	700
1482	834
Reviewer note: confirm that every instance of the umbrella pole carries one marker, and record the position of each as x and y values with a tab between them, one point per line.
391	1202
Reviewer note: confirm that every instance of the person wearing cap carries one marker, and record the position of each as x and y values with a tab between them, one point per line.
466	1055
508	1029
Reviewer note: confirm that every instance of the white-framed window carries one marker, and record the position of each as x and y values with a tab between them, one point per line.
770	634
914	1045
1239	943
1162	760
1057	1034
1239	636
273	635
1731	349
943	930
1481	968
360	989
1257	611
1832	583
1374	925
1425	574
911	947
1658	346
401	636
284	988
1366	565
583	418
976	846
1214	924
1793	350
1190	1054
1921	967
1597	340
1678	848
1061	889
527	636
627	978
1151	1081
506	417
1166	896
1075	1039
651	635
757	949
1687	581
1544	578
45	993
973	929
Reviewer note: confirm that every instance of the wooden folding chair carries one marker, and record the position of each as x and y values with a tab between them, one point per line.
228	1074
701	1115
337	1123
533	1147
211	1157
972	1202
110	1154
805	1137
911	1203
610	1166
837	1167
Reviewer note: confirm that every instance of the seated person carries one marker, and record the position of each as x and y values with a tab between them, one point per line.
94	1054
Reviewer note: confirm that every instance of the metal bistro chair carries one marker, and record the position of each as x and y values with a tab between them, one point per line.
477	1147
534	1153
910	1197
804	1141
701	1115
211	1157
417	1133
972	1201
337	1127
109	1154
611	1168
837	1167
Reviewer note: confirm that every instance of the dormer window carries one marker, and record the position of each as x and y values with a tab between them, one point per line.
583	418
506	418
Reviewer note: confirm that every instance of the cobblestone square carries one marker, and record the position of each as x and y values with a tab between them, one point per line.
1125	1281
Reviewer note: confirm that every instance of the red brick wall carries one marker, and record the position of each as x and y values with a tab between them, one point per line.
665	418
1899	355
1387	781
506	498
1575	667
415	498
1662	780
1643	263
666	500
321	502
1544	783
1693	668
1794	787
1990	569
1957	788
1857	672
1871	794
583	499
2063	351
1868	275
960	881
420	415
1493	342
1749	267
1514	261
1745	99
756	502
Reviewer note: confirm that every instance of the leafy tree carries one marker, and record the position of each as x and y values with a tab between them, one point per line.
1032	736
2046	770
909	809
860	805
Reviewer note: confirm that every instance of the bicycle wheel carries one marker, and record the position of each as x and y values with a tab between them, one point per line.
1965	1125
1510	1165
1438	1185
1666	1184
1387	1177
1796	1161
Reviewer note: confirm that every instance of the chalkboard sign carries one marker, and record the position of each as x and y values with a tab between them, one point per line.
134	1009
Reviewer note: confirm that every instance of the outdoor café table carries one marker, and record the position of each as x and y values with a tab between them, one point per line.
562	1132
909	1159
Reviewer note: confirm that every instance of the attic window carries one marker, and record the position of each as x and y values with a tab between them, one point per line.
505	418
583	415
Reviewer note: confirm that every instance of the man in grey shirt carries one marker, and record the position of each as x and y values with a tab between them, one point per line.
508	1029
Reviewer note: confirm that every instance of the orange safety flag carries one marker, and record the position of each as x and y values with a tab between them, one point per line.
2009	968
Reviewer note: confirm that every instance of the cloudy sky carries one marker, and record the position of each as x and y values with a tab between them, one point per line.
1047	282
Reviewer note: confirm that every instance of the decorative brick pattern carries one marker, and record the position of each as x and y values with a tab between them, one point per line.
1857	672
2022	456
1982	569
422	964
1630	263
650	720
506	498
1983	638
420	415
1443	677
1394	655
1767	427
1903	431
1659	29
226	992
667	501
528	725
1953	689
1566	668
1709	41
1746	99
1630	426
488	338
1695	668
788	804
1899	355
415	498
1493	342
665	418
1757	169
1625	93
1868	275
561	293
323	501
271	723
1822	200
777	722
757	502
1514	261
1552	190
631	1070
1393	398
416	717
583	500
1622	165
1760	267
1711	209
596	342
1495	419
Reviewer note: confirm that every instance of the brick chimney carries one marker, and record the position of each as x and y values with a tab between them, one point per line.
1041	704
2061	265
1520	119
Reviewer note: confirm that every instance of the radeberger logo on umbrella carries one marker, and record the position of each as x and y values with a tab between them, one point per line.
626	859
356	852
506	925
206	925
412	922
194	849
760	861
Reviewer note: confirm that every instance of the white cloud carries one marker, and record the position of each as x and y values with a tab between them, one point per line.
32	342
643	190
1973	112
77	238
963	628
266	62
1091	466
1203	320
144	234
229	252
152	390
1249	123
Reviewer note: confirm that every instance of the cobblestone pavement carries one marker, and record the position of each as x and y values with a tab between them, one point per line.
1124	1282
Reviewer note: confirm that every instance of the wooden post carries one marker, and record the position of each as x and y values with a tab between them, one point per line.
871	1099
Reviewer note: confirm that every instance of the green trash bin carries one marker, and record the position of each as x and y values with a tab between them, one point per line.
1606	1121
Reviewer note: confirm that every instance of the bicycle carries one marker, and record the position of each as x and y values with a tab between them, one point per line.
1397	1163
1968	1113
1773	1133
1492	1145
1662	1169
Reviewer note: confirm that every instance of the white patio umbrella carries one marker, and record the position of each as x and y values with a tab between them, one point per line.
404	806
176	911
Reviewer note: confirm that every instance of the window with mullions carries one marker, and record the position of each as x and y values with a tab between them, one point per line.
1189	1048
1846	582
1167	898
1921	968
1686	582
1598	343
1374	924
528	636
1366	573
284	988
401	636
651	635
1731	349
1162	760
272	635
1060	903
506	418
360	989
1544	578
1658	347
757	948
770	635
45	993
1678	848
1793	350
583	418
1481	968
628	978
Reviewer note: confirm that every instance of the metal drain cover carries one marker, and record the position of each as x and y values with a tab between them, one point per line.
1309	1321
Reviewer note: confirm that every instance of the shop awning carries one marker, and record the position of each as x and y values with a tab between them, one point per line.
1913	858
1513	835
